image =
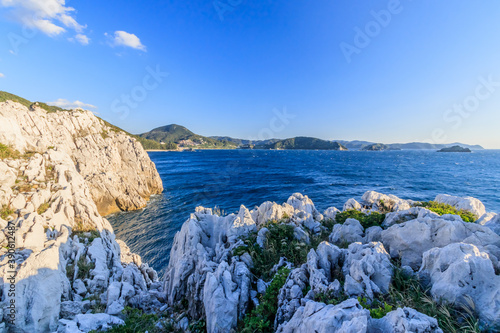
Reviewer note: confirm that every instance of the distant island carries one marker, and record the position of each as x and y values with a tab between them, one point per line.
302	142
177	137
455	149
379	147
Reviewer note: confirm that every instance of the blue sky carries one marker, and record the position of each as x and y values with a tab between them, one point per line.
385	71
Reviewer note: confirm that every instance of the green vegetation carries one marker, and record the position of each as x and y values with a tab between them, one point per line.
6	211
280	242
8	152
199	326
5	96
442	209
43	208
137	321
367	221
261	319
377	309
70	272
175	134
84	268
407	291
301	142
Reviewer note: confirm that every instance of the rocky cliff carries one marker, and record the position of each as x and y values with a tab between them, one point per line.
383	264
61	268
117	170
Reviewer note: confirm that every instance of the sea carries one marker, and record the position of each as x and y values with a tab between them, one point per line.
227	179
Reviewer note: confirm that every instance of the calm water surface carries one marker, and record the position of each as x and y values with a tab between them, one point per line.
230	178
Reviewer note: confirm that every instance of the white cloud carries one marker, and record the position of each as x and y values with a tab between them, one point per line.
82	39
2	75
122	38
65	104
52	17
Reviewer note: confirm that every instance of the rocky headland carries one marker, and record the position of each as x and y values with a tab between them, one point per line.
378	264
61	267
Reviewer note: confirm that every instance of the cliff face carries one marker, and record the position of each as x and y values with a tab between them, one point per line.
60	264
118	171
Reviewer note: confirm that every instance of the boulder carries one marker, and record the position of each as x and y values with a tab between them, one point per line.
382	202
352	204
470	204
367	270
349	232
409	240
461	271
348	316
405	320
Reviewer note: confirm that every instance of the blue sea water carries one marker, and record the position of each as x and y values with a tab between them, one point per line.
229	178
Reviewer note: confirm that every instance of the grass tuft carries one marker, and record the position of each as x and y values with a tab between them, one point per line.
367	221
442	209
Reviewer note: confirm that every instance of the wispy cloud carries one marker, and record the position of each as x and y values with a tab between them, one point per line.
52	17
123	38
80	38
65	104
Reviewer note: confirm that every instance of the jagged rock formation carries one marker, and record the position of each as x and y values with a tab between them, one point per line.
458	261
71	273
118	171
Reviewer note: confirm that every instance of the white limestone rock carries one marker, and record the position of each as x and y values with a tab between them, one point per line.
347	316
382	202
492	221
367	270
331	213
470	204
95	321
409	240
405	320
117	169
349	232
352	204
460	270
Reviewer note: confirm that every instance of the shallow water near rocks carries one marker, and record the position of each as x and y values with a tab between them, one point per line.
229	178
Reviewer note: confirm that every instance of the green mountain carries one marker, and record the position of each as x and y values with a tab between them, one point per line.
181	136
302	142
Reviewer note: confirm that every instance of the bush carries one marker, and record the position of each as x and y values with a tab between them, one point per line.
367	221
136	321
442	209
280	242
84	268
261	319
377	309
